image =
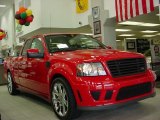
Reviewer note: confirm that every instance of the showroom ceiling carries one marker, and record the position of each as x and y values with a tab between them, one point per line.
136	30
133	29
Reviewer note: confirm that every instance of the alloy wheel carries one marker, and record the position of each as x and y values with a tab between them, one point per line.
9	79
60	99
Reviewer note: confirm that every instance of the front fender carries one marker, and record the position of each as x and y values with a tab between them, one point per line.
65	70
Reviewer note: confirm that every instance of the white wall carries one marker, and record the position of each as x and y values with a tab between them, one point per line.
83	17
7	24
62	14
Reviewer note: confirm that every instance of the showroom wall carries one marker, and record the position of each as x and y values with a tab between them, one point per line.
62	14
7	24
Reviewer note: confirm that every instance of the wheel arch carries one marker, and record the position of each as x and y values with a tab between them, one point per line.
66	79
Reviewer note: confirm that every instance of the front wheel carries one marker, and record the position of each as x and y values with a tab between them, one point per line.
63	101
11	86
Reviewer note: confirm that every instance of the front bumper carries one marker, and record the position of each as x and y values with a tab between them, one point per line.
107	89
117	104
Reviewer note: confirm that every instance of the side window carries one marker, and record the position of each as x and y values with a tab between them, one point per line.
37	43
26	46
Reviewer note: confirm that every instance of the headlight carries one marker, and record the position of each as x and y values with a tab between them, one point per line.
90	69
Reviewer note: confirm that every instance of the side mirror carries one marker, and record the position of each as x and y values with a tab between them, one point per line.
34	53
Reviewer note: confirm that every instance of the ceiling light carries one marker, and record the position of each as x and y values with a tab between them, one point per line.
149	24
2	5
131	23
139	23
86	33
122	30
118	40
148	35
149	31
158	34
126	35
131	38
157	14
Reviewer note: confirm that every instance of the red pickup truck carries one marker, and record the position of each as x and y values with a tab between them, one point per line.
76	72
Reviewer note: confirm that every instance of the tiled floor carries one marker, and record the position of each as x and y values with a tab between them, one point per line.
28	107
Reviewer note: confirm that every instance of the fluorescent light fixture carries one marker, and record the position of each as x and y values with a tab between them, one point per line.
149	24
87	33
157	14
118	40
158	34
130	23
126	35
2	5
122	30
148	35
139	23
148	31
131	38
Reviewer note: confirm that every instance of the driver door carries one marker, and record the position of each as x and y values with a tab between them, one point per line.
37	69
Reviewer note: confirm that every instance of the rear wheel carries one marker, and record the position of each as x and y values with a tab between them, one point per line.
63	101
11	86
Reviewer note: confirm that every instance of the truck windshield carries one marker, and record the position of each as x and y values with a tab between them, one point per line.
71	42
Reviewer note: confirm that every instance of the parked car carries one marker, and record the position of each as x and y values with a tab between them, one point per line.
76	72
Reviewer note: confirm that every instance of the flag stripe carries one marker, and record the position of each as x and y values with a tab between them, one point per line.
140	7
131	8
120	4
137	7
134	7
123	9
117	15
126	9
148	6
144	6
152	5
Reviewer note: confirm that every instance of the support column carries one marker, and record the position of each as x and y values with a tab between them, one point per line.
107	32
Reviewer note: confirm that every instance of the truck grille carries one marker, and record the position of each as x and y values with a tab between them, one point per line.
133	91
125	67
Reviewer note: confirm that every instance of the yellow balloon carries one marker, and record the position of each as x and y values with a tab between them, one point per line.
29	12
1	33
17	21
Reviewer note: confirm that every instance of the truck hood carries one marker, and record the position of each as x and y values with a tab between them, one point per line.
95	55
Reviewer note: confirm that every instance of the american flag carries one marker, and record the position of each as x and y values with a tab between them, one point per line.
126	9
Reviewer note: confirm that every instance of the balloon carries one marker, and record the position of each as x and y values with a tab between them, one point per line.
4	35
23	15
1	34
1	30
17	21
22	9
29	19
18	16
22	21
27	23
17	12
29	12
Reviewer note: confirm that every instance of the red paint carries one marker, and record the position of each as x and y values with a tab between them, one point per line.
32	75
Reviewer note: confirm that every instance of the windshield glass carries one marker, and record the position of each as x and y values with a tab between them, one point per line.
67	42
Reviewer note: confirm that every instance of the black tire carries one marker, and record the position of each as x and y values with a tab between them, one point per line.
10	85
61	100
